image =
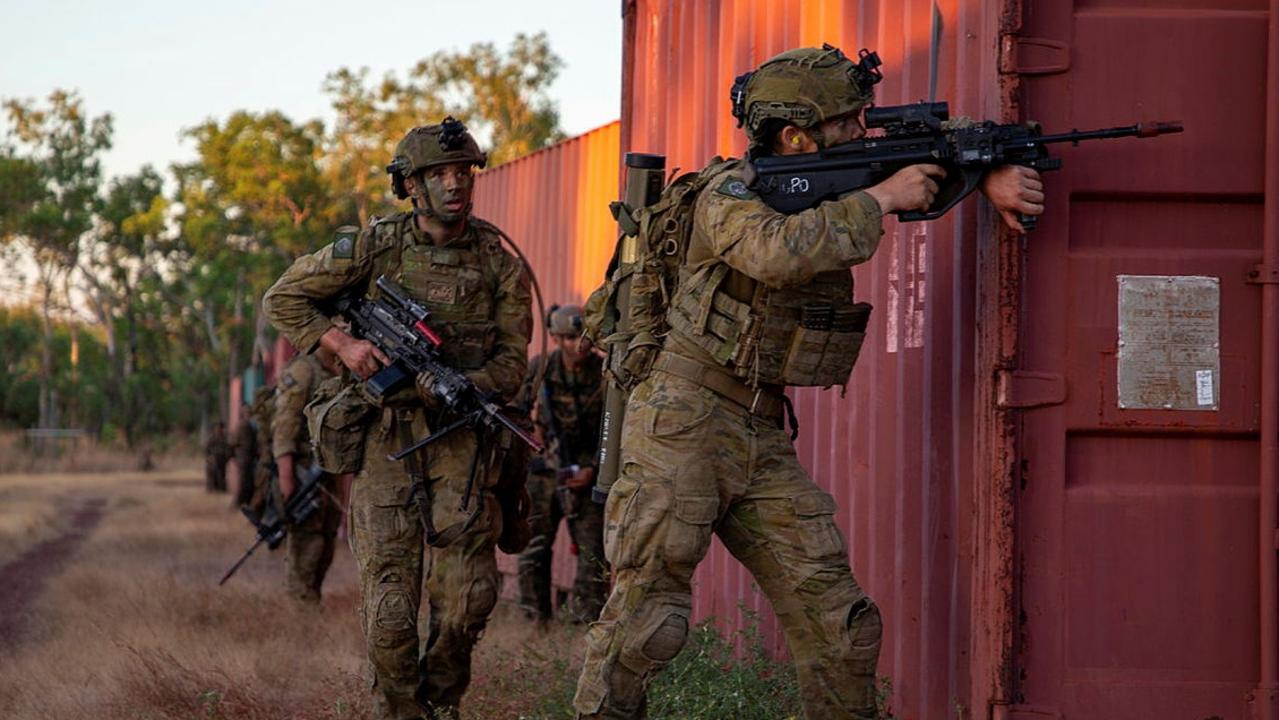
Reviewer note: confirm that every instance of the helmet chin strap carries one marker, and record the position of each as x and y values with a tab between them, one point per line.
818	136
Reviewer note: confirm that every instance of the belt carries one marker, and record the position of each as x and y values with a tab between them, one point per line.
763	402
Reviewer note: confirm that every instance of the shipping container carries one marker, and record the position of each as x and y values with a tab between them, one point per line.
554	206
1041	546
1046	539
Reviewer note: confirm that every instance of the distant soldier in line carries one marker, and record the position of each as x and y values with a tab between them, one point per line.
215	458
261	412
567	413
244	450
311	544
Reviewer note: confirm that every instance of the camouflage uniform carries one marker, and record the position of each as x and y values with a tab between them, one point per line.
570	408
216	453
262	412
311	544
479	296
703	447
244	448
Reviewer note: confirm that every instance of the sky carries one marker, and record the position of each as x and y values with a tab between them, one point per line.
161	66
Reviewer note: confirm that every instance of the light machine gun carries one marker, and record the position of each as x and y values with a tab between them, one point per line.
397	325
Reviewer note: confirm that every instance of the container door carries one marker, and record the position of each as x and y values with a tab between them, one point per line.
1137	515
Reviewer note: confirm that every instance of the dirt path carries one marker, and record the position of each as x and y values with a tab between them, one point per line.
22	580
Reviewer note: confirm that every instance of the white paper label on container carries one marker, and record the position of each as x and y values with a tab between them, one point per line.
1169	342
1203	387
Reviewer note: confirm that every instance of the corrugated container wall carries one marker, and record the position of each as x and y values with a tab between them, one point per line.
1038	550
554	205
896	449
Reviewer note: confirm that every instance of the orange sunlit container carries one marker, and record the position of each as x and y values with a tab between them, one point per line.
1038	550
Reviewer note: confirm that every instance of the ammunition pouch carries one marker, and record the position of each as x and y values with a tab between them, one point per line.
512	496
338	419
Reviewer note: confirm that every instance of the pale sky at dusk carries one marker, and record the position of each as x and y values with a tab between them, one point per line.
159	66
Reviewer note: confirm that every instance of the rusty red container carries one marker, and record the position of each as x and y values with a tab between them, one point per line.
1039	549
554	205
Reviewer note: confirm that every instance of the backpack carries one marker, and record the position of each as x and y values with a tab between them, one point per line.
627	314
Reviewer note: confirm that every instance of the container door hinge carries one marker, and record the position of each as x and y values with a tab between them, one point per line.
1263	702
1025	389
1263	274
1032	56
1023	712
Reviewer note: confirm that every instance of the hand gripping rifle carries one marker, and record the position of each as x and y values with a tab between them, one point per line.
914	134
274	526
397	325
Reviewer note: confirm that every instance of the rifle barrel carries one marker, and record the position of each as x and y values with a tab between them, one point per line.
240	562
1141	130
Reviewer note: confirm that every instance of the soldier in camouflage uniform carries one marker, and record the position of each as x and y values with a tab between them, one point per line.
479	297
216	453
261	413
244	450
763	300
311	544
567	412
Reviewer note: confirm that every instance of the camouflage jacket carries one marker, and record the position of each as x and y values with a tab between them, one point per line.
296	385
478	293
570	408
733	227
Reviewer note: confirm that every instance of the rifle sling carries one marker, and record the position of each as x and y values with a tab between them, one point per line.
420	493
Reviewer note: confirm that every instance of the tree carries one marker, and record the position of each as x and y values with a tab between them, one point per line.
503	98
126	245
253	201
52	213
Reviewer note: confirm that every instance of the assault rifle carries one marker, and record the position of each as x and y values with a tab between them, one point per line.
398	327
914	134
274	524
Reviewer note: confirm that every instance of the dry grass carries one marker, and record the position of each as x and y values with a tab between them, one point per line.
83	455
134	626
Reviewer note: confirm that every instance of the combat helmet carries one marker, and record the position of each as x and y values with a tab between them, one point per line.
565	321
803	87
429	145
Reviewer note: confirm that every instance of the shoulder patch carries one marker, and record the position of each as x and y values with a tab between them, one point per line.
344	242
288	381
735	187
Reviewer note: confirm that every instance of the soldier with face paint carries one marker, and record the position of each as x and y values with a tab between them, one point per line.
479	297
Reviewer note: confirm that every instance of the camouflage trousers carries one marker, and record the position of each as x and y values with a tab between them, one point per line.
311	546
461	580
586	527
245	468
215	474
694	464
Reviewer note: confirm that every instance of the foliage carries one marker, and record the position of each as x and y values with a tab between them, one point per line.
714	677
710	679
56	184
171	265
503	99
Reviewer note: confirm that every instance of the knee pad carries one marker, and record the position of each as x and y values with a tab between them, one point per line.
865	628
481	598
654	638
391	615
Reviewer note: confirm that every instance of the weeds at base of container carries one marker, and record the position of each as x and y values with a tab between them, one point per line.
711	680
884	699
